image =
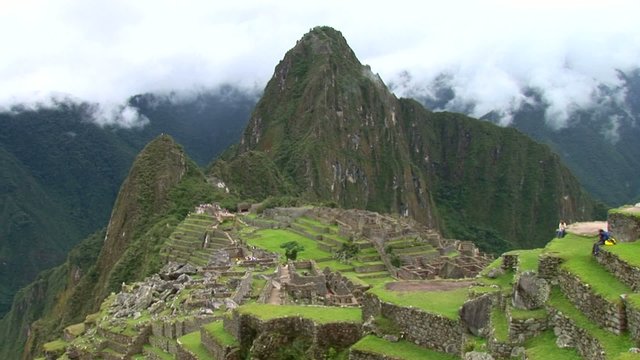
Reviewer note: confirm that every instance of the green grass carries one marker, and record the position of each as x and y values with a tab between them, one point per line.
528	314
191	342
257	285
628	252
445	303
543	347
217	331
500	324
158	352
613	344
319	314
56	345
625	210
76	329
527	259
271	239
576	252
398	350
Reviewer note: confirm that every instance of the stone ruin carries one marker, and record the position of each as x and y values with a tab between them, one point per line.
451	259
308	285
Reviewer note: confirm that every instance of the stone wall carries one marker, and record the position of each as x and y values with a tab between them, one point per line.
624	227
548	267
244	288
630	275
633	319
609	315
267	337
509	262
521	330
424	329
217	350
568	334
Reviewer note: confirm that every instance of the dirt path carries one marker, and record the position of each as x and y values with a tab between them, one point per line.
587	228
427	285
275	297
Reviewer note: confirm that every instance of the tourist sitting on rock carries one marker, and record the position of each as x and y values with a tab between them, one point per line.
562	229
603	236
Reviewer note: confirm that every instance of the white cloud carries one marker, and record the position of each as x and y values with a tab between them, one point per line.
106	51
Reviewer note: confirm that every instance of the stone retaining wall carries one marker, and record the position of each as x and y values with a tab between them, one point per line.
608	315
268	336
570	335
509	262
521	330
633	319
217	350
244	288
548	267
624	227
629	275
428	330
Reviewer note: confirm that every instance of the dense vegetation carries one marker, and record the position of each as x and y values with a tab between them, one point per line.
61	172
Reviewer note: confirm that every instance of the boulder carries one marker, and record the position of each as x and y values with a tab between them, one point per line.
475	314
531	291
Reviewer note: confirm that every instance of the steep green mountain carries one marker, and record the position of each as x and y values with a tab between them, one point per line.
331	130
162	185
598	142
60	172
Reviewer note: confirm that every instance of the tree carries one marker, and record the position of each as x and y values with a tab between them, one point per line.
291	249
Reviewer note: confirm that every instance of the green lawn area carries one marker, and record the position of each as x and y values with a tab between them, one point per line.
159	353
504	281
271	239
500	325
445	303
398	350
217	331
576	252
191	342
613	344
627	252
543	347
57	345
319	314
527	259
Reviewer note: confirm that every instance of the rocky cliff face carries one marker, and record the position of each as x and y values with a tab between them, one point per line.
333	130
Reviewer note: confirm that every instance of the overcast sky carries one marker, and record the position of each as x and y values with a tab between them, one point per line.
106	51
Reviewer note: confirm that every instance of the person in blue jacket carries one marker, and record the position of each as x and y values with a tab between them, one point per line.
602	237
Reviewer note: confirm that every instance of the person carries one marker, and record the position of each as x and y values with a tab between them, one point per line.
602	237
562	229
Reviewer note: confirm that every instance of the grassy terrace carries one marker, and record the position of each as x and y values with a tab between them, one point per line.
500	325
398	350
628	252
319	314
191	342
527	259
159	353
576	252
543	347
443	302
613	344
217	331
504	281
271	239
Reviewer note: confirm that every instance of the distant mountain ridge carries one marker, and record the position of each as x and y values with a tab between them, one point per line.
61	172
599	142
332	130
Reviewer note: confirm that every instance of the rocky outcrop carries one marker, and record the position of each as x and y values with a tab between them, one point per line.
624	223
530	292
